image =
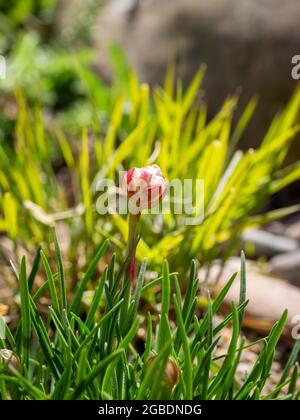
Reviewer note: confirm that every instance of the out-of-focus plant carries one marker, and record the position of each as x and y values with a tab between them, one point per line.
167	127
43	63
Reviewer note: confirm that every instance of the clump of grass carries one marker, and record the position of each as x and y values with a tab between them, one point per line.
66	355
49	176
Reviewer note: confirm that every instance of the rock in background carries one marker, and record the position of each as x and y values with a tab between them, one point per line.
268	297
245	43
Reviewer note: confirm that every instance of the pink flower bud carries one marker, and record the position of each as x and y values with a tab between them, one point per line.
147	182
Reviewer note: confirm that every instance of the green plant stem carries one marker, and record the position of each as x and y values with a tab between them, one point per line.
133	239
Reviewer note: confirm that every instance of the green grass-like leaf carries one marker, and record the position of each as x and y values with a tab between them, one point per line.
25	314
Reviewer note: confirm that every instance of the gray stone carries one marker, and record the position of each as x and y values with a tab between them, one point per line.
293	230
268	244
287	266
268	298
246	43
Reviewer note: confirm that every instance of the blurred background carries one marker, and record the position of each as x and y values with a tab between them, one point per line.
244	43
246	46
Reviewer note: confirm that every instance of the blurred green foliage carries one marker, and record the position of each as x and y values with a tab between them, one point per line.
51	175
42	62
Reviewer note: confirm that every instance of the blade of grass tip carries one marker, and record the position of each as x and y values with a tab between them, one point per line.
83	329
63	293
25	314
155	282
69	330
219	299
165	303
195	288
242	286
34	268
272	395
109	302
95	303
59	329
40	291
169	80
242	124
14	268
192	91
92	267
178	291
9	337
188	366
189	325
51	282
274	338
226	321
241	348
